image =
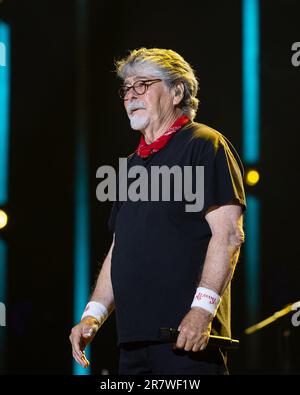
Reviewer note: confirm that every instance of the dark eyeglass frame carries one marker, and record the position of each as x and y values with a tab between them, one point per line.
144	85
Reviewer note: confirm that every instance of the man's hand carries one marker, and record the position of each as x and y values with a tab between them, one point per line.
81	335
194	330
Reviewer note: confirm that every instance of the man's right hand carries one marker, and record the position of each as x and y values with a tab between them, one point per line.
81	335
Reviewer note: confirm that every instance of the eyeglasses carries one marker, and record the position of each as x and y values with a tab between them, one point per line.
139	87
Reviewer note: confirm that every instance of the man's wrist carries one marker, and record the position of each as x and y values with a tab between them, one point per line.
91	320
96	310
206	299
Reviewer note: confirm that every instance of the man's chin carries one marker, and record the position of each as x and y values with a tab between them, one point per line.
138	124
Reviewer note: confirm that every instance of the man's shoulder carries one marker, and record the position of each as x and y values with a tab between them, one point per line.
202	134
211	141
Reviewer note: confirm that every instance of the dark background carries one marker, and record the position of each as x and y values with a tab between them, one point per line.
47	79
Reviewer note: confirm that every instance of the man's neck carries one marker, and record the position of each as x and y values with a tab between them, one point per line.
151	133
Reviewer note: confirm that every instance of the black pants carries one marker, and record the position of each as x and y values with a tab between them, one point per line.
138	358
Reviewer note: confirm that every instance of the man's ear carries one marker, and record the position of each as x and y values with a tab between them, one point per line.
178	93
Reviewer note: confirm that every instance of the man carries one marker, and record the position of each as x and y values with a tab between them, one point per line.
168	267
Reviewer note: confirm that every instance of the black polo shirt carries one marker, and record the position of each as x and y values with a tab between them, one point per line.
160	248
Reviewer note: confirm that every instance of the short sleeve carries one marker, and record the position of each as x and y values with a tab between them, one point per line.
223	175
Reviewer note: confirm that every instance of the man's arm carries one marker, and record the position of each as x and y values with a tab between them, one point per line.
226	224
103	291
84	332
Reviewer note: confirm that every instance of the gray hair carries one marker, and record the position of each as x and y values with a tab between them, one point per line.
167	65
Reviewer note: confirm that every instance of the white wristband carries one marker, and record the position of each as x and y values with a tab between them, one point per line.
97	310
207	299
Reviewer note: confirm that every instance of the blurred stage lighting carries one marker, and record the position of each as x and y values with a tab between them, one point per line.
3	219
252	177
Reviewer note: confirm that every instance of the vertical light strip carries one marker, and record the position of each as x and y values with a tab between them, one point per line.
4	150
252	252
251	86
81	239
82	212
251	135
251	154
4	110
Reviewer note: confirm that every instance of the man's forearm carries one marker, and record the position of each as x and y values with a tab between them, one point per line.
219	265
103	291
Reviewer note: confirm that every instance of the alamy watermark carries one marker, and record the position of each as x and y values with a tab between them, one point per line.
295	59
2	55
296	315
2	314
169	183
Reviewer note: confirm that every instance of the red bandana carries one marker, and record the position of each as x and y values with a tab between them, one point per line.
144	150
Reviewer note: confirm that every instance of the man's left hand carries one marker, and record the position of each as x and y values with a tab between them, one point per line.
194	330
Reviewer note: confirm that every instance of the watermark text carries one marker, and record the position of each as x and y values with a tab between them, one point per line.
295	59
160	183
2	314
